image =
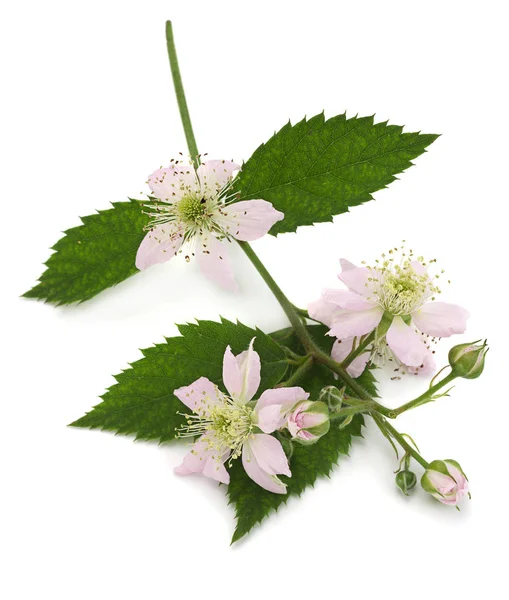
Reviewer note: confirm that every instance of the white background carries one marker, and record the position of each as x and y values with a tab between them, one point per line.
87	113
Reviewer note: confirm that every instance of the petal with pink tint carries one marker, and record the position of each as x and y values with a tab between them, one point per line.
272	483
203	459
269	454
347	300
269	418
346	265
427	368
354	323
241	373
172	183
248	220
286	398
213	259
441	319
406	344
361	280
232	377
215	174
341	349
200	396
250	368
159	245
322	311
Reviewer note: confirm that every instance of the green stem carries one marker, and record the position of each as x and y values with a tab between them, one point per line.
426	397
359	350
286	305
298	373
181	96
352	410
383	423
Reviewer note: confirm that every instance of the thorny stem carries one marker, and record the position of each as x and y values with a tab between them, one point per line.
299	372
426	397
384	424
359	350
352	410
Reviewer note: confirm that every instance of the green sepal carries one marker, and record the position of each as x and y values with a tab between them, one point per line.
383	327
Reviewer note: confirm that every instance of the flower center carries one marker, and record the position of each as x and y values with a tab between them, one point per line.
191	209
402	287
232	425
227	424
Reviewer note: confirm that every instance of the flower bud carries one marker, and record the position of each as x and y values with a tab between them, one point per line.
445	481
308	421
406	481
332	396
467	360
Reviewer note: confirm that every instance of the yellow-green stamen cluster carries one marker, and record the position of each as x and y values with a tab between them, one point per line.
401	287
224	425
194	207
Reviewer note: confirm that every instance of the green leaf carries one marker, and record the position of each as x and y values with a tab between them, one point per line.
253	503
93	256
317	168
142	401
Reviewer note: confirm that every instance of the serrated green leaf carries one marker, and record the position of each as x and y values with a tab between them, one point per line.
93	256
253	503
319	168
142	401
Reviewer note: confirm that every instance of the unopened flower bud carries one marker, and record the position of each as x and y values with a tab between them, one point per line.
308	421
331	396
406	481
467	360
445	481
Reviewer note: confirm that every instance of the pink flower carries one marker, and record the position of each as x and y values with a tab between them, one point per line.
396	300
308	421
445	481
230	427
193	207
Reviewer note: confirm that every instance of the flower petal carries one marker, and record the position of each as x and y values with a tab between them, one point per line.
215	174
232	377
286	398
426	368
212	256
269	454
203	459
256	473
241	373
322	311
346	265
159	245
269	418
349	323
200	396
250	367
361	280
406	344
173	183
347	300
249	220
342	348
441	319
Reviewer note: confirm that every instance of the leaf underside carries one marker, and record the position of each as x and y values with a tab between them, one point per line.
93	256
252	503
319	168
142	401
